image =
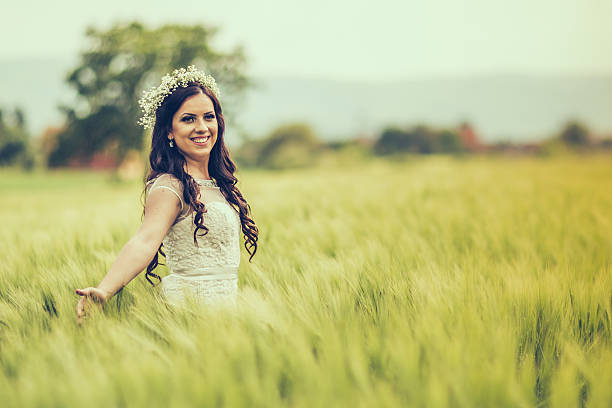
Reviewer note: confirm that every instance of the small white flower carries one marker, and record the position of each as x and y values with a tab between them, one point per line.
152	99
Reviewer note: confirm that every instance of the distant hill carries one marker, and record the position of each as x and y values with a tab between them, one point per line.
501	107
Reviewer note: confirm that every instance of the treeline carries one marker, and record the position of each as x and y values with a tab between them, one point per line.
423	139
297	145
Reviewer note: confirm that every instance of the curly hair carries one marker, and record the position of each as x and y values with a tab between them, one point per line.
221	168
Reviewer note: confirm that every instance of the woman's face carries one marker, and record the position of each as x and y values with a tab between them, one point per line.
194	128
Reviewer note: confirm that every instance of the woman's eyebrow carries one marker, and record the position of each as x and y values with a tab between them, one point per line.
193	114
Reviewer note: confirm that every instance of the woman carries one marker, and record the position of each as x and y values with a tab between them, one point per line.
192	202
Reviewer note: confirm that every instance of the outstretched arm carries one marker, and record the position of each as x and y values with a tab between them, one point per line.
161	209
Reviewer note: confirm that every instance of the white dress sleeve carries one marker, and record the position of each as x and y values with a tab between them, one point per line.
171	183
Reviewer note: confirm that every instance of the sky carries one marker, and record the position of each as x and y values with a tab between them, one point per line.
349	39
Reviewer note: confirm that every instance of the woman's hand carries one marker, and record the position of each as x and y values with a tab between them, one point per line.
161	209
90	294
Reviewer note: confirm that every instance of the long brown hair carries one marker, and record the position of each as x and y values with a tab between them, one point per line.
164	159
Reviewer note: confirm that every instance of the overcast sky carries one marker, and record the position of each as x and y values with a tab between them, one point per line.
352	39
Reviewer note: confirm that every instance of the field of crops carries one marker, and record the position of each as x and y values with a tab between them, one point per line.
433	282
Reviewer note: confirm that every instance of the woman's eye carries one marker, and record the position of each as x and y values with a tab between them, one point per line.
209	117
188	119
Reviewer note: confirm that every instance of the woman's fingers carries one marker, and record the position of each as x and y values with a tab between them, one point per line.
81	305
80	310
84	292
95	294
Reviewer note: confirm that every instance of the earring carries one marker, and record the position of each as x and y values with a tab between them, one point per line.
171	144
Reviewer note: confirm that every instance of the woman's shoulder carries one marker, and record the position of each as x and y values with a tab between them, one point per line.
167	181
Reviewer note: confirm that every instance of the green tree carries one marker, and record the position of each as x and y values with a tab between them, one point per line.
575	134
393	140
14	140
118	65
292	145
419	139
424	138
449	142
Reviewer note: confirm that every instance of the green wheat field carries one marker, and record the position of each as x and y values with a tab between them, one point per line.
426	282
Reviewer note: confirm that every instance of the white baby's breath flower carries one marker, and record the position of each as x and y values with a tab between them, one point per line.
152	99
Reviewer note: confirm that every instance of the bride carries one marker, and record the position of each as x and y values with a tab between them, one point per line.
194	212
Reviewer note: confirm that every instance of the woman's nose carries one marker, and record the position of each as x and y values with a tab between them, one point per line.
200	126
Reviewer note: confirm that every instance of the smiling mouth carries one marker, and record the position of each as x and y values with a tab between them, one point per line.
200	140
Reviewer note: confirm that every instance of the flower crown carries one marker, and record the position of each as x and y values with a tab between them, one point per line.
153	98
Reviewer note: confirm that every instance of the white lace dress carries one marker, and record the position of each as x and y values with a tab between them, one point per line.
209	271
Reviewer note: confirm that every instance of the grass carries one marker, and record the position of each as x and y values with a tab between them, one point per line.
427	282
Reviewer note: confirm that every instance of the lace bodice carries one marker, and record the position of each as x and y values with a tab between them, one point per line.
217	254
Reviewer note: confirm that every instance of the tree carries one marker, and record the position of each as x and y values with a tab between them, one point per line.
117	66
419	139
575	134
449	142
393	140
292	145
14	140
424	138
